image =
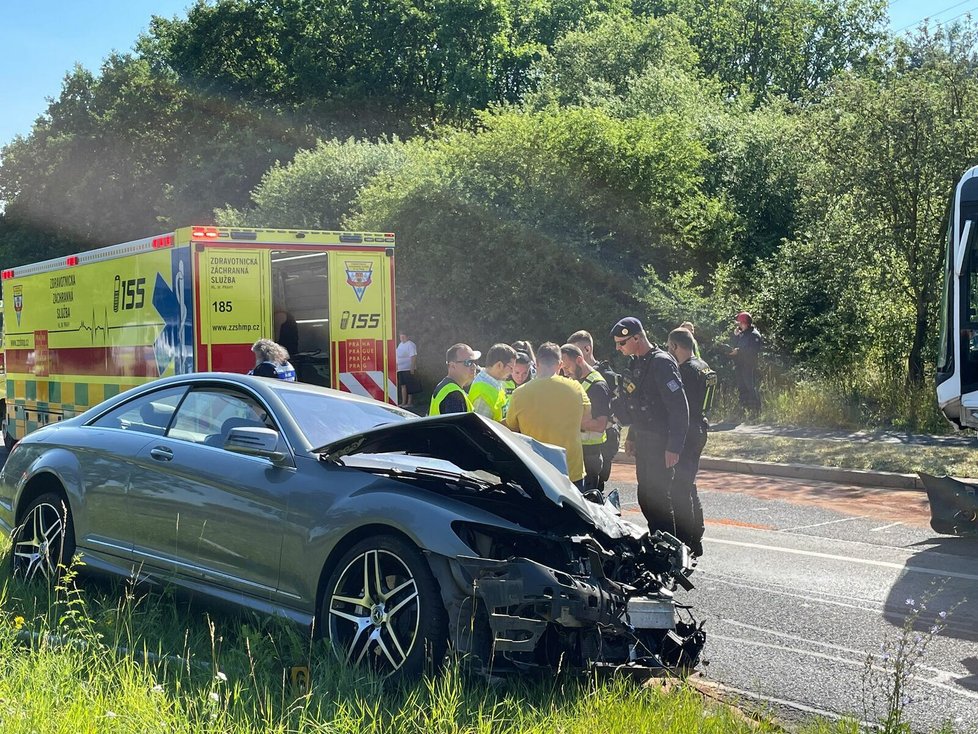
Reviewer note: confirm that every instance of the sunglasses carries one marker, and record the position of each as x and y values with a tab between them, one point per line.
466	362
620	342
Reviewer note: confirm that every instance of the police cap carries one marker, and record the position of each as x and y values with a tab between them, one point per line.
628	326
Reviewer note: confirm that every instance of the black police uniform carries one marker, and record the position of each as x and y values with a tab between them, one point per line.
654	407
698	383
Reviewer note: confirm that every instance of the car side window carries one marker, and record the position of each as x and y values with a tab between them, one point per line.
149	413
207	416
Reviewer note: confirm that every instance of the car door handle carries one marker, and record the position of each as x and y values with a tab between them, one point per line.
161	453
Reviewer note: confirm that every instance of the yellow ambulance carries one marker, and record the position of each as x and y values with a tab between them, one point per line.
83	328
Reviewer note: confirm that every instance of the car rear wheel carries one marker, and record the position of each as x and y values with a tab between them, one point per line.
382	608
45	540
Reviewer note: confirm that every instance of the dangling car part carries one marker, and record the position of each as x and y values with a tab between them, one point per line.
953	505
395	537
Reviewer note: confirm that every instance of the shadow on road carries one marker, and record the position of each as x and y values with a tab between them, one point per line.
943	577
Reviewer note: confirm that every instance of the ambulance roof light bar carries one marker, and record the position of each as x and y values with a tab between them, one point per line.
204	232
7	274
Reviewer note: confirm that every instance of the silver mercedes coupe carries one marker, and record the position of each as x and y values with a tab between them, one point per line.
394	536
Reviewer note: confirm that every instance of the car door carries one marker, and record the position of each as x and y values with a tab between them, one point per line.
218	515
107	450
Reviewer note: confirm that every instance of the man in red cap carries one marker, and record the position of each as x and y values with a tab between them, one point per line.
746	347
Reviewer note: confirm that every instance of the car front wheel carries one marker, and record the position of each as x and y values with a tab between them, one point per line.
45	540
382	608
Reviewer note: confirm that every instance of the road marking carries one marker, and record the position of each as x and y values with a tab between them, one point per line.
936	683
939	674
848	559
891	525
820	524
847	601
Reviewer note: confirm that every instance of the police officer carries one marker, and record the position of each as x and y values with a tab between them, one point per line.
699	384
272	360
654	405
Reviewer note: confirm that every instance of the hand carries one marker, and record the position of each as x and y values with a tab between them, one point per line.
672	458
629	448
734	351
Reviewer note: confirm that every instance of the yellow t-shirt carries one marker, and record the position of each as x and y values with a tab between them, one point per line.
550	409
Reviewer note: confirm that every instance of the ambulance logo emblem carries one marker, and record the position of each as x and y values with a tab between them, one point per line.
358	276
18	301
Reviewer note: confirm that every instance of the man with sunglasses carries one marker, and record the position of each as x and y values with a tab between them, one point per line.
449	395
654	407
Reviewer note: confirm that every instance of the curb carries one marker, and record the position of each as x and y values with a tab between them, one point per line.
859	477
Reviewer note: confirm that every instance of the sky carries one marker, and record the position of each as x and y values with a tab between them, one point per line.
41	40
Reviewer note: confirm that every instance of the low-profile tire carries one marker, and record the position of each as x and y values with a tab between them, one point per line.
382	608
44	542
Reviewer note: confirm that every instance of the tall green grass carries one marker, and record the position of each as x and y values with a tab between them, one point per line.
109	658
866	400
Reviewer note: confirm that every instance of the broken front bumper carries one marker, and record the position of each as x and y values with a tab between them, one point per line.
536	615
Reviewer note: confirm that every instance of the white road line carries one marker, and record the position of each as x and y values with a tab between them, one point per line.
885	527
956	690
819	524
939	674
847	559
876	608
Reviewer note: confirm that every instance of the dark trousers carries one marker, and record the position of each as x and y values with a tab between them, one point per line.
654	479
685	501
750	399
609	450
593	465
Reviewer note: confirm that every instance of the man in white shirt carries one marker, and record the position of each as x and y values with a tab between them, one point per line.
407	364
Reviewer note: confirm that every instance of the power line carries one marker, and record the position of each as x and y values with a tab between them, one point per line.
932	15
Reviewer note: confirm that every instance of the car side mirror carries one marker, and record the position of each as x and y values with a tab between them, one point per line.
263	442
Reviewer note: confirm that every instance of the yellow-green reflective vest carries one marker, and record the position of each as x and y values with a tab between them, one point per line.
509	385
435	407
493	397
592	438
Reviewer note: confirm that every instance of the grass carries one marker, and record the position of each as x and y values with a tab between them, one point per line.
105	658
875	456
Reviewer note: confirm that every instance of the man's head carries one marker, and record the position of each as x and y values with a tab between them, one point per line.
688	326
521	368
548	359
583	341
681	345
744	320
500	361
572	362
462	363
403	337
630	337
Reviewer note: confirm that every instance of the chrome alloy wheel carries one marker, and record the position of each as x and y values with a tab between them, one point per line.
39	542
374	611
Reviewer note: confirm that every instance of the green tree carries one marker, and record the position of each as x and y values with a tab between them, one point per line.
766	48
888	153
318	188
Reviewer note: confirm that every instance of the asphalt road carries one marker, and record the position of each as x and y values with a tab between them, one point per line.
801	581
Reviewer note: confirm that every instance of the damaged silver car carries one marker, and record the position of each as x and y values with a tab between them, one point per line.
395	537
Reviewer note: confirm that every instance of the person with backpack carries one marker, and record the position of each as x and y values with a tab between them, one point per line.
699	384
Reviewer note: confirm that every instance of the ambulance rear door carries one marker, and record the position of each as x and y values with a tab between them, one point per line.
234	305
361	299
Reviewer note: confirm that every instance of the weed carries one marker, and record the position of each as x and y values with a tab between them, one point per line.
888	675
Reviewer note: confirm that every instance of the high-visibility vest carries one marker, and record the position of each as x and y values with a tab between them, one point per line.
435	407
495	398
592	438
508	386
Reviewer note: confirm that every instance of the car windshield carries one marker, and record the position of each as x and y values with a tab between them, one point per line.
324	419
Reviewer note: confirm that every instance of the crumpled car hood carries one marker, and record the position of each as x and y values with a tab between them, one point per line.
474	443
